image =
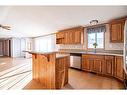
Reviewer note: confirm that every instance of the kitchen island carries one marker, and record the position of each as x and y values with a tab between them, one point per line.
50	69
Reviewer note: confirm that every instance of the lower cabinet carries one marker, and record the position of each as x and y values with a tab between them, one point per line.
104	65
119	71
92	63
86	63
108	66
97	66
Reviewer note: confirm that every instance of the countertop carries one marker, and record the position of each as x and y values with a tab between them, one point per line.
61	55
39	52
115	53
45	53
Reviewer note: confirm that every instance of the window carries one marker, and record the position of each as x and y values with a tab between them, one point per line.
96	35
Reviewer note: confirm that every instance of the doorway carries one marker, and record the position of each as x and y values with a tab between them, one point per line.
9	48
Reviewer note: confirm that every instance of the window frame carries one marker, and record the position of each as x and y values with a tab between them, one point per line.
97	48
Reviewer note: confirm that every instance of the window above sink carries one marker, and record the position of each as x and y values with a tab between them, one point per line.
96	36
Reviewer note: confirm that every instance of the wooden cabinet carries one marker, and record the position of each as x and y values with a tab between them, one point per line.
92	63
50	71
97	67
117	31
62	65
118	70
70	36
86	63
78	36
60	38
104	64
108	66
43	69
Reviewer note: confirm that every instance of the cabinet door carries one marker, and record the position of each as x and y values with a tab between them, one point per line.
119	72
108	66
97	67
77	36
117	31
70	37
65	38
85	63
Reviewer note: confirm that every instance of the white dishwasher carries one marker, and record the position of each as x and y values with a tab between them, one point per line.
75	60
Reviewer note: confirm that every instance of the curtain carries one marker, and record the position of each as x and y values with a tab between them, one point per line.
97	29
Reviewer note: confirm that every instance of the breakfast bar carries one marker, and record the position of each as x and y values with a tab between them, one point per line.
50	69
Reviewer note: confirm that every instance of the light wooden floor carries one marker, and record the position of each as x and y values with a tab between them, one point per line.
7	62
15	73
84	80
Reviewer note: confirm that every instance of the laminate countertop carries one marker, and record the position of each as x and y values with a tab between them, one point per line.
62	55
68	52
45	53
113	53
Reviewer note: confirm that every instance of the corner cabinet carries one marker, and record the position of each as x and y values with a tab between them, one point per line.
70	36
117	30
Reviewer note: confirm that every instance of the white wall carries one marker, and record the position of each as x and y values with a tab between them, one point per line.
22	47
1	48
45	43
18	45
29	47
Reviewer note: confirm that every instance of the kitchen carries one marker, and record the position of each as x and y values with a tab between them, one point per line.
94	48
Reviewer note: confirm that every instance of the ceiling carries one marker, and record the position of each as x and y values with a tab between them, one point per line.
31	21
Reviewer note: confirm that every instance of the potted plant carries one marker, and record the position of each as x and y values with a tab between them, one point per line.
95	45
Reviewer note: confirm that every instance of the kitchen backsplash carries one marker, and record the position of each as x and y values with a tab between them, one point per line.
70	46
108	45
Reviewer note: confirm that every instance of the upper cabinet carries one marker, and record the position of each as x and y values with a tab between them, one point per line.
70	36
117	30
60	38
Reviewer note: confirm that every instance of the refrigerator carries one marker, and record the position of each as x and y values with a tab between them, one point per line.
125	51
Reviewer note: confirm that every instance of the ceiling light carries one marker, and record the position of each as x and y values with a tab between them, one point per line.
93	22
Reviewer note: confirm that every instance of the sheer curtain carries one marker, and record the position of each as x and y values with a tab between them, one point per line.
45	43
